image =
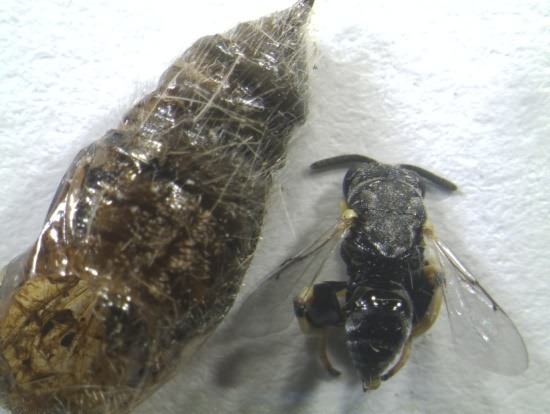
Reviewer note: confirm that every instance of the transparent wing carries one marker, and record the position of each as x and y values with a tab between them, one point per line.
269	308
482	332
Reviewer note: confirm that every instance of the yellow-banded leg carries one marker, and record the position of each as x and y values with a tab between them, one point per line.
318	308
431	273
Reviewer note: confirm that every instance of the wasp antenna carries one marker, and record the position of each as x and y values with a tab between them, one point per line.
340	161
430	176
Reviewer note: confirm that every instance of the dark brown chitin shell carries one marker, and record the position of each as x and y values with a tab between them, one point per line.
153	227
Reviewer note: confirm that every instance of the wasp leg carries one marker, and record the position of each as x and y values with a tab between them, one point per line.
431	273
402	361
323	355
301	303
318	308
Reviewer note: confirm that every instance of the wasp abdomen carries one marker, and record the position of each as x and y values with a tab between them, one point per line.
378	324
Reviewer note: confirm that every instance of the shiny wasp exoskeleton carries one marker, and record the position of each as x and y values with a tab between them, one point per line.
399	273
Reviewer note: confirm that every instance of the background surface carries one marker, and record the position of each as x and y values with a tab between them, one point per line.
460	88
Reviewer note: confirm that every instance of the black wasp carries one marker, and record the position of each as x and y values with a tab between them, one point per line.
398	272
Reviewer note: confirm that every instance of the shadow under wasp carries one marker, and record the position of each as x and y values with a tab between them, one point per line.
399	272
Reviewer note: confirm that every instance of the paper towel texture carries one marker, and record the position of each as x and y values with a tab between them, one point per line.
460	88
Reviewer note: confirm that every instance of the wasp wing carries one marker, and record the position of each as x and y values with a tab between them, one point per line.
269	308
481	330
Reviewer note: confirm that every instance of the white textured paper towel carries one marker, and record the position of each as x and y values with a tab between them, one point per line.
461	88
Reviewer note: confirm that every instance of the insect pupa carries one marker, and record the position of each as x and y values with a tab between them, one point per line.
153	226
398	275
